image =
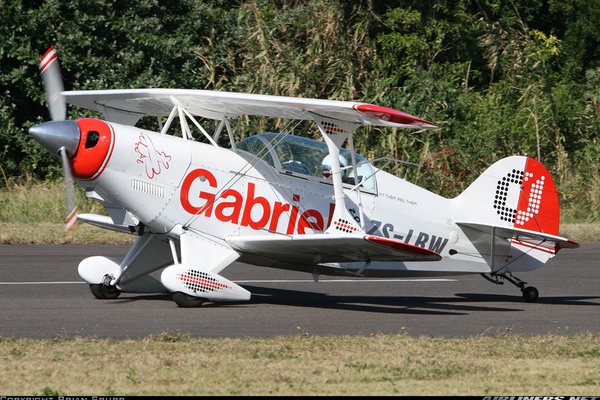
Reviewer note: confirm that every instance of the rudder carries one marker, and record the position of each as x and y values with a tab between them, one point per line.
514	192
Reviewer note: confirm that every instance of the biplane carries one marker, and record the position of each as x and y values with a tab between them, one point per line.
276	199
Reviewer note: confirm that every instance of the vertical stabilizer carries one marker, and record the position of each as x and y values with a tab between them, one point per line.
516	192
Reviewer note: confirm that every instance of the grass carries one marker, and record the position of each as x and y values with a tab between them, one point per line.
172	363
175	364
35	214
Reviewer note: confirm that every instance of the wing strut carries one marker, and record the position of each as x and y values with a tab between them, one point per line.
186	133
356	182
335	133
225	122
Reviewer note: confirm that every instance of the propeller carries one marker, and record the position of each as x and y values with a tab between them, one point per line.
59	137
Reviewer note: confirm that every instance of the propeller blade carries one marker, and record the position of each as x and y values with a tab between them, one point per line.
53	85
71	201
59	136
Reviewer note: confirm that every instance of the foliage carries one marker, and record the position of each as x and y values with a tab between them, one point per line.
499	78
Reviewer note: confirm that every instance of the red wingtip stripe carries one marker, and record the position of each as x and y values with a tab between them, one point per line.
392	115
47	59
403	247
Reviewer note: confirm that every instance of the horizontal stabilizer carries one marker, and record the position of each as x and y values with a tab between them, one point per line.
105	222
327	248
520	235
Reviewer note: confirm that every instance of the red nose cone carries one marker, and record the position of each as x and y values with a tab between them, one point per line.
95	148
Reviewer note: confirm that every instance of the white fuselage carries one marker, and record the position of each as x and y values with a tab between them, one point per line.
168	183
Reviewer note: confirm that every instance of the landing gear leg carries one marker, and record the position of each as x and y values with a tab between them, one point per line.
530	293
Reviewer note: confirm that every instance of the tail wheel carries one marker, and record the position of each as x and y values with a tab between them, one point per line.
530	294
187	301
104	292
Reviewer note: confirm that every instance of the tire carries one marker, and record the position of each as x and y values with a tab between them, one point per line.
187	301
530	294
105	292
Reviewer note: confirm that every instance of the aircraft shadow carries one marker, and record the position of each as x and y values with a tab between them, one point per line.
129	297
460	304
556	300
367	303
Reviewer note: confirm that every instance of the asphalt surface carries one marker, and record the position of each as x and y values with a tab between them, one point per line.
42	296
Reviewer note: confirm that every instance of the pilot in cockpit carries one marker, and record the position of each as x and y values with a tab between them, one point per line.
326	169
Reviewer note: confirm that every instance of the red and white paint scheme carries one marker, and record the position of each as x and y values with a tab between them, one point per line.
197	205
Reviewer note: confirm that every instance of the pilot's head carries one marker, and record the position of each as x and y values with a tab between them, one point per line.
326	167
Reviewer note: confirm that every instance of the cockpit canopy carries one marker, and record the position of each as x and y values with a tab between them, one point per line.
298	155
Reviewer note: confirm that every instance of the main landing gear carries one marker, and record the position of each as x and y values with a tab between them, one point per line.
187	301
104	291
530	294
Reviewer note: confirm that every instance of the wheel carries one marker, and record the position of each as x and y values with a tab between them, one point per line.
185	300
530	294
105	292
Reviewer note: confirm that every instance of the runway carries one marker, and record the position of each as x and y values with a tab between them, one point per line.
42	296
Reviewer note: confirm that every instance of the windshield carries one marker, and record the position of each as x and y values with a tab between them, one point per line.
299	155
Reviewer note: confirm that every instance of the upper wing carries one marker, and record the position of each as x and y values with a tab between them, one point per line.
522	235
135	103
327	248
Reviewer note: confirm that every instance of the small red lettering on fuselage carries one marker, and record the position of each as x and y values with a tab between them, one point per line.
253	211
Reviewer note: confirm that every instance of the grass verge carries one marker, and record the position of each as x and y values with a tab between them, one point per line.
175	364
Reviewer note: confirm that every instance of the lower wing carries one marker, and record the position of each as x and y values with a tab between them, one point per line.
328	248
